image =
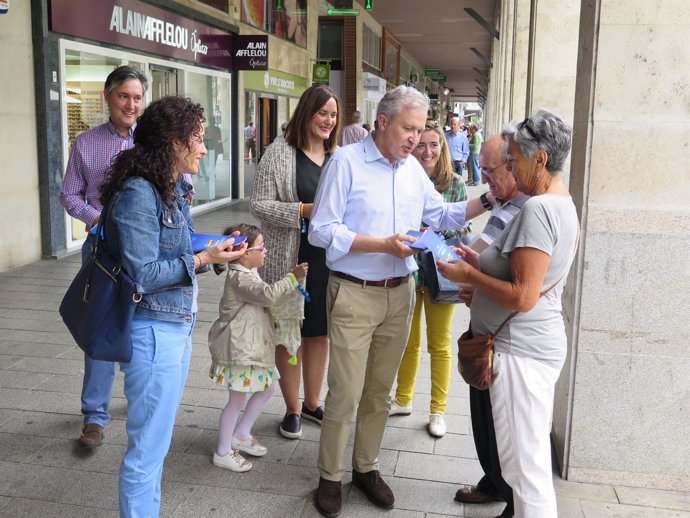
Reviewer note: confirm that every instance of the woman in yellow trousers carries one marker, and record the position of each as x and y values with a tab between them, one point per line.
432	152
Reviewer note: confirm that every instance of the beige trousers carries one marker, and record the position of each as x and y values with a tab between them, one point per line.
368	329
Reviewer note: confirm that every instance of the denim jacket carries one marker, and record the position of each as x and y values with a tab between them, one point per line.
153	243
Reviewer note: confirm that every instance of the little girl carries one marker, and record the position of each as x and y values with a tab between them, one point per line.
243	350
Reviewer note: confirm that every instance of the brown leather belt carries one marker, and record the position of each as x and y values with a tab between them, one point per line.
391	282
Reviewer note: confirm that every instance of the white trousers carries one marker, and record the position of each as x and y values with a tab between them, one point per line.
522	402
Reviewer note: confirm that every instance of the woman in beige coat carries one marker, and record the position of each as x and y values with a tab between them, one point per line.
282	199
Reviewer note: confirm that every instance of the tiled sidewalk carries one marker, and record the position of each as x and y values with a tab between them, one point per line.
44	473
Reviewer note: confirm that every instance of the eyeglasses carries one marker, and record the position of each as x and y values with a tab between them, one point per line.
527	124
486	171
262	246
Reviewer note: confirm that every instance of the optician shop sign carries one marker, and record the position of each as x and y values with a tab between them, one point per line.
136	25
275	82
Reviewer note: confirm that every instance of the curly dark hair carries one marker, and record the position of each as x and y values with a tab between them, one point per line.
165	121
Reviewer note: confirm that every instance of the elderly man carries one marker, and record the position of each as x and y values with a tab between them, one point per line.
87	169
370	194
458	145
354	132
508	202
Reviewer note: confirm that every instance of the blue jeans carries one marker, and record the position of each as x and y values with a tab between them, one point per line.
97	388
474	169
458	166
154	381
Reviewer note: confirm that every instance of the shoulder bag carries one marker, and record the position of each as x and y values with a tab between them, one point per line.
476	353
99	305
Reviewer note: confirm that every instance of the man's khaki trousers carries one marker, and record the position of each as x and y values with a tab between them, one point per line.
368	329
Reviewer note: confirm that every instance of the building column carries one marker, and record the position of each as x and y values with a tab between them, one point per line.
628	390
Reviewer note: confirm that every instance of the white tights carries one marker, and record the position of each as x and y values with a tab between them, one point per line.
229	427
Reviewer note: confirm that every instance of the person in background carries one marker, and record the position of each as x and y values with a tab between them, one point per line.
243	361
281	137
458	146
531	257
149	226
353	132
367	127
475	147
508	202
250	141
88	168
282	199
432	153
367	191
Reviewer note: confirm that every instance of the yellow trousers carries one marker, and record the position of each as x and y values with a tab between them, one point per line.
438	322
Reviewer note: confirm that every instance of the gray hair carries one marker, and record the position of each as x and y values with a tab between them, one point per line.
542	131
356	117
122	74
399	97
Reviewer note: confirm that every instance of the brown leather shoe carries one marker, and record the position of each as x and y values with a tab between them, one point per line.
474	495
329	498
374	487
91	436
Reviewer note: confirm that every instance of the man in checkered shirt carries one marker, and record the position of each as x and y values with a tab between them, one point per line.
87	169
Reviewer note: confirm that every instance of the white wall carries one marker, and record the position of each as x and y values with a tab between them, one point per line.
20	230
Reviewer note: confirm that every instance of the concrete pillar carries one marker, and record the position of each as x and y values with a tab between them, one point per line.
623	407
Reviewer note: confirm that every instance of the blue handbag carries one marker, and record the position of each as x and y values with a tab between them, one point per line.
100	303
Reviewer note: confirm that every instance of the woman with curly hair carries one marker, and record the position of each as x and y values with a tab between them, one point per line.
432	152
147	227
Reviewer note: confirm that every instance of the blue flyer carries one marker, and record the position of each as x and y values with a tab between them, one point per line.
430	240
203	241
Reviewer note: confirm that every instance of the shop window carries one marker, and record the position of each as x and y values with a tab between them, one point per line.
290	22
213	93
371	54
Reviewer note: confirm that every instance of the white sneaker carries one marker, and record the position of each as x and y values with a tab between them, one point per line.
399	409
251	446
232	461
437	425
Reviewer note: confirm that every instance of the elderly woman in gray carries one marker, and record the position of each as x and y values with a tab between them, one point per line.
524	270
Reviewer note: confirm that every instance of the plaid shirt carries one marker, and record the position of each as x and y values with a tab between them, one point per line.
87	169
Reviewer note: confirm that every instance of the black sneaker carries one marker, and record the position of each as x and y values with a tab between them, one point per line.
291	427
315	416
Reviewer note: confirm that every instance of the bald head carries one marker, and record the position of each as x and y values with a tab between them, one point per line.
492	160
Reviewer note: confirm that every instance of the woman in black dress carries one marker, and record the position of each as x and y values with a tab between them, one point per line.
282	199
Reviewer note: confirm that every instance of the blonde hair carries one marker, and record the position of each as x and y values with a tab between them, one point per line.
443	172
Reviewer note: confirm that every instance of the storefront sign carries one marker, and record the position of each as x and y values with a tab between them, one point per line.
275	82
136	25
250	52
321	73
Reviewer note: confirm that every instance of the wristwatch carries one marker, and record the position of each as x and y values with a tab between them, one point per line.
485	202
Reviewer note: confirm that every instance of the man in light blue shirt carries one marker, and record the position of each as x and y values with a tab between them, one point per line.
370	194
458	145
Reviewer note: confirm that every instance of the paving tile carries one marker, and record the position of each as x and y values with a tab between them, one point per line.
19	380
18	448
43	350
593	509
279	479
408	440
678	500
438	468
416	495
207	502
66	453
584	491
456	445
569	507
24	508
41	424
